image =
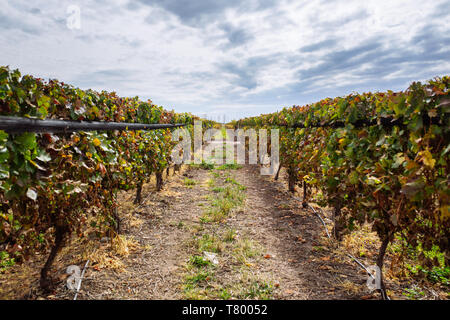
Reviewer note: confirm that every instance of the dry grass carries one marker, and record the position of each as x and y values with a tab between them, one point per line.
109	255
127	211
362	242
351	287
123	245
16	282
246	251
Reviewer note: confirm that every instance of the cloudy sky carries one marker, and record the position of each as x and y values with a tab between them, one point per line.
228	58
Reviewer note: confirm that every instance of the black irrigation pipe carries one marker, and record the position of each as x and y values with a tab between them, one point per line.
329	237
384	122
18	125
323	222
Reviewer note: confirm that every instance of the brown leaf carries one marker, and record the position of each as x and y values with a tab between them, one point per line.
289	292
324	267
16	247
6	228
102	169
299	238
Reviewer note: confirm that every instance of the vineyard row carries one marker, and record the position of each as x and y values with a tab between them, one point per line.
395	176
53	184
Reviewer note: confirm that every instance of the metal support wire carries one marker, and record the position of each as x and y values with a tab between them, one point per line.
20	124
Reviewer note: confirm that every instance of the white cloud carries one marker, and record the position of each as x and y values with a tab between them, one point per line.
229	55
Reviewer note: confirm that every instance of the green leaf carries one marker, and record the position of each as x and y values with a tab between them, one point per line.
373	180
353	177
399	159
27	140
3	136
416	124
43	156
400	107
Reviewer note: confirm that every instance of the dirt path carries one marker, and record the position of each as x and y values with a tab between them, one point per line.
291	256
303	265
153	271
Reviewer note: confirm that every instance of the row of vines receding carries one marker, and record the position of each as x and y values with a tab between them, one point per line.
395	177
52	185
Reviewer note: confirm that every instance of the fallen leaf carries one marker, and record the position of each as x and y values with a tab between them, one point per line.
289	292
326	268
